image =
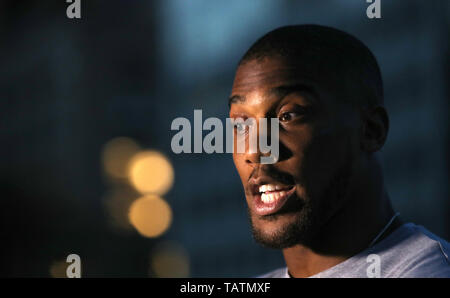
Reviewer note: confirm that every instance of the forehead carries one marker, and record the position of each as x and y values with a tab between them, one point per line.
260	79
263	84
267	73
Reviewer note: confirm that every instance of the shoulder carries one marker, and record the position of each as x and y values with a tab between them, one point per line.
422	253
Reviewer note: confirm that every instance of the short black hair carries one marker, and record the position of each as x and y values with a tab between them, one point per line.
346	62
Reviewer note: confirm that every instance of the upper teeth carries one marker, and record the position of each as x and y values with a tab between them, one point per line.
273	196
269	187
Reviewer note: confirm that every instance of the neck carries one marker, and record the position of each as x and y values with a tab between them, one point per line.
347	232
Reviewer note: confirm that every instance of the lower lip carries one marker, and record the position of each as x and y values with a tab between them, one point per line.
261	208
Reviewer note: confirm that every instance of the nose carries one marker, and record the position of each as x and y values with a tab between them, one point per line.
253	156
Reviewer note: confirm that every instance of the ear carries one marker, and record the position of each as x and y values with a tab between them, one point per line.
375	127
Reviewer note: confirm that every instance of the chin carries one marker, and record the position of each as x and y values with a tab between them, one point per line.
278	231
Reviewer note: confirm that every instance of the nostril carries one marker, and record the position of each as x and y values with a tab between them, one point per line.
252	158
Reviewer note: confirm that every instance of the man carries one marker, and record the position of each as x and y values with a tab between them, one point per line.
324	202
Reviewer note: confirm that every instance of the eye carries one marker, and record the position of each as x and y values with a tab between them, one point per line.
287	116
293	113
240	128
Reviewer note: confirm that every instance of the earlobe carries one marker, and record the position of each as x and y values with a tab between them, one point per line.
375	127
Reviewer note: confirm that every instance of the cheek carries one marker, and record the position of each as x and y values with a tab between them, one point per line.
241	166
326	155
293	146
314	153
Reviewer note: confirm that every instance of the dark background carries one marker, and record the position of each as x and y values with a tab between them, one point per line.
128	68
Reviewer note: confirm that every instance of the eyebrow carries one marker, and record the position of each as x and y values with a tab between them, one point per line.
236	99
280	92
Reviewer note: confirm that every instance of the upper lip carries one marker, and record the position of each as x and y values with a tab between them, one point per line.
256	182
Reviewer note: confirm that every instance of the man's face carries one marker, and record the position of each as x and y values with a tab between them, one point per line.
290	200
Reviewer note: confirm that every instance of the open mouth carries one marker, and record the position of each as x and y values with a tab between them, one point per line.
270	198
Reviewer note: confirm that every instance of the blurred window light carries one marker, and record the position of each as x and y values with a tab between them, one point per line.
58	269
117	154
169	260
151	172
150	215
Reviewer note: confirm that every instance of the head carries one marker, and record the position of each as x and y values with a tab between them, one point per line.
325	88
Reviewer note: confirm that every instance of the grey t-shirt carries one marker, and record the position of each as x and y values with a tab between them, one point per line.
409	251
